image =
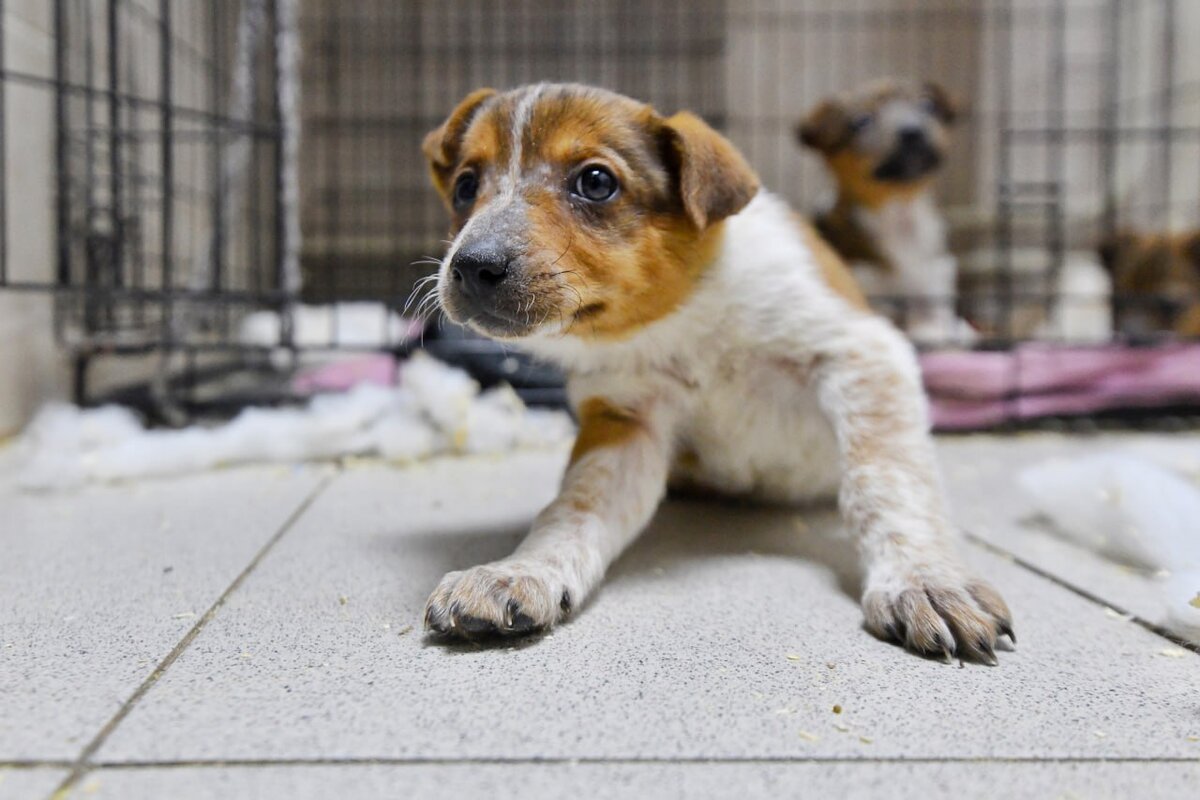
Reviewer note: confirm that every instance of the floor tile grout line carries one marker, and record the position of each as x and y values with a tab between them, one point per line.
83	762
1029	566
632	760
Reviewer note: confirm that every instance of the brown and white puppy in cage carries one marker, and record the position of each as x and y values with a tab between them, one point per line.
1155	282
884	144
711	341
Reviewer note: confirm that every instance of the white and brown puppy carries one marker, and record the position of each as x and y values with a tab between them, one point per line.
883	144
710	339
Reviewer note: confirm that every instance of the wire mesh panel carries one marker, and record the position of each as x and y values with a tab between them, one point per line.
164	184
379	75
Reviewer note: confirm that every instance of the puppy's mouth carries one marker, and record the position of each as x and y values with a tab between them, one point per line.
488	319
908	163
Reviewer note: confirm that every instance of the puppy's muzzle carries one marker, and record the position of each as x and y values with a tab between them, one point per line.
478	271
913	157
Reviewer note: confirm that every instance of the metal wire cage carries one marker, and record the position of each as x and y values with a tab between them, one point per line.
178	188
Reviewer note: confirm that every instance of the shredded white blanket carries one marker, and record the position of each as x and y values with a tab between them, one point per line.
435	409
1140	508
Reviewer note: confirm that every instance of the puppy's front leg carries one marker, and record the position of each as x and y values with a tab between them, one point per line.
917	590
615	480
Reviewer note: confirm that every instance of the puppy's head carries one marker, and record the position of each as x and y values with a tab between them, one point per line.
1155	279
577	211
884	139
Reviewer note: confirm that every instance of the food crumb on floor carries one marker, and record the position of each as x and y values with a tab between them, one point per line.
1100	734
866	739
404	630
841	727
793	656
343	599
809	737
837	709
1173	652
184	615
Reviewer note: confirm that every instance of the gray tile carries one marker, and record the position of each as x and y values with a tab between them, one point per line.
981	478
100	585
896	781
23	783
726	632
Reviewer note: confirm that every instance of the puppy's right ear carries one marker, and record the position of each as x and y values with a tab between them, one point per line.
825	128
442	145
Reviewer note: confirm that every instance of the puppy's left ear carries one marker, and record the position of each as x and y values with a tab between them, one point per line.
712	178
945	107
442	144
825	128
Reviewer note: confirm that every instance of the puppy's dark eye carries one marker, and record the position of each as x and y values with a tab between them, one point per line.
595	183
465	189
861	121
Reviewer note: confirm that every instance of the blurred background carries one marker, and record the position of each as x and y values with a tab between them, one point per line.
200	201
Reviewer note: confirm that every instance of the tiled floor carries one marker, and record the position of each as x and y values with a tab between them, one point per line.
256	633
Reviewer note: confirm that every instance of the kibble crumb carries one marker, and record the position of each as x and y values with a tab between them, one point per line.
837	709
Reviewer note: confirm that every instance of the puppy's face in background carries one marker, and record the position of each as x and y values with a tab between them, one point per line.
884	138
577	211
1155	281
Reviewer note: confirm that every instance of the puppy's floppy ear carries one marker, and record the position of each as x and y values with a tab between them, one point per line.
945	107
712	178
441	145
825	128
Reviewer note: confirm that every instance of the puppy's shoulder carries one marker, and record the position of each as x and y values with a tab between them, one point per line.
769	233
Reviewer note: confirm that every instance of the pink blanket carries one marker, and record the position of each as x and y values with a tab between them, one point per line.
979	389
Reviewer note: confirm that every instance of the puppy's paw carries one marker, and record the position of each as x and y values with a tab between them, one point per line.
506	598
944	613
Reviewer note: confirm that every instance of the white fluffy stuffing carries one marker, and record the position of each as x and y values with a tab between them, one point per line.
435	409
341	325
1133	510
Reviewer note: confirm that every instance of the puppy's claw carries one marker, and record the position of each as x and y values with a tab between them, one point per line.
1007	630
988	655
938	615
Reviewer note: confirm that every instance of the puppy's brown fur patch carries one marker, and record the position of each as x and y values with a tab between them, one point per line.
1155	280
602	424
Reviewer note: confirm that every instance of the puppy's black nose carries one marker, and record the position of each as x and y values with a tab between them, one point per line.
479	270
911	135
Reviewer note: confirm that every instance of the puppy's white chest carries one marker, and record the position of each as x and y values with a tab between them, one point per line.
757	430
911	233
